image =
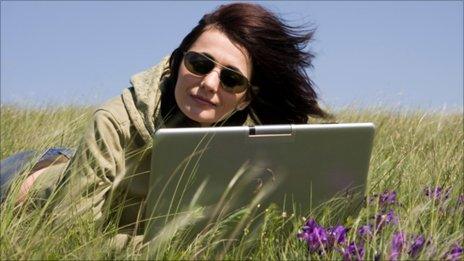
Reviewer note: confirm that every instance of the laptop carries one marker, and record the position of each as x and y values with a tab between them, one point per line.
206	173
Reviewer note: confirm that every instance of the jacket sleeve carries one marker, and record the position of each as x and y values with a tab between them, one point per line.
89	177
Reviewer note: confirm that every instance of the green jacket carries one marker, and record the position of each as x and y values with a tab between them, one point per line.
112	163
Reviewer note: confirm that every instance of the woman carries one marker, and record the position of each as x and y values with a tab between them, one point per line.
240	64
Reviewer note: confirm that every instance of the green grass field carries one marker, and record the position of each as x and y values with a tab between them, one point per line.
413	152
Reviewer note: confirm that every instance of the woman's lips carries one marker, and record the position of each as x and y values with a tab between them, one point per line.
202	100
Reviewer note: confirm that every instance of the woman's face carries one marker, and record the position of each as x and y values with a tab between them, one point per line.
201	98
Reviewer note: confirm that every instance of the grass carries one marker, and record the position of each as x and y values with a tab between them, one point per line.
413	150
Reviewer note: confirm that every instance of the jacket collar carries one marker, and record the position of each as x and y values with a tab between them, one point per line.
143	99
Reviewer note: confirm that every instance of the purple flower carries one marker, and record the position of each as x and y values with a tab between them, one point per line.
387	198
337	235
365	231
384	219
437	193
353	252
456	253
307	229
397	245
318	240
416	246
315	236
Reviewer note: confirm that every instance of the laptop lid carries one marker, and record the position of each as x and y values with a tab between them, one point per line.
221	169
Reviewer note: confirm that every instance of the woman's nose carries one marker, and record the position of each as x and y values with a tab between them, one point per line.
211	81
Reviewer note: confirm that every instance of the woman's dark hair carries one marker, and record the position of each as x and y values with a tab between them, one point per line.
284	92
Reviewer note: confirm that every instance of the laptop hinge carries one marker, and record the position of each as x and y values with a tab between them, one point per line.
273	130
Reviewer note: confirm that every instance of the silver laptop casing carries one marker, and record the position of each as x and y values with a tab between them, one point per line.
294	166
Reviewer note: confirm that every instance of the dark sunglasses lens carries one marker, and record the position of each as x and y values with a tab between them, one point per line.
197	63
232	81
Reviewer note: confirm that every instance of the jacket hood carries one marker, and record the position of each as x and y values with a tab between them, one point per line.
143	99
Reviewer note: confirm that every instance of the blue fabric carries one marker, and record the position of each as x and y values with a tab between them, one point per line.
14	165
52	152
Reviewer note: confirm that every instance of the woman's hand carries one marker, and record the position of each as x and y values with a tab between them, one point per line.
28	183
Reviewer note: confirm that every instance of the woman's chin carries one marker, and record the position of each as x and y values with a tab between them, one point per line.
203	117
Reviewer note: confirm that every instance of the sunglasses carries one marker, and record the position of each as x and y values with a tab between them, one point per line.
202	64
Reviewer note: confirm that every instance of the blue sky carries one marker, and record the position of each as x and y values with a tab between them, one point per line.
396	54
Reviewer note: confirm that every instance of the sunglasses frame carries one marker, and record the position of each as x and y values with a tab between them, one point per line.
223	67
